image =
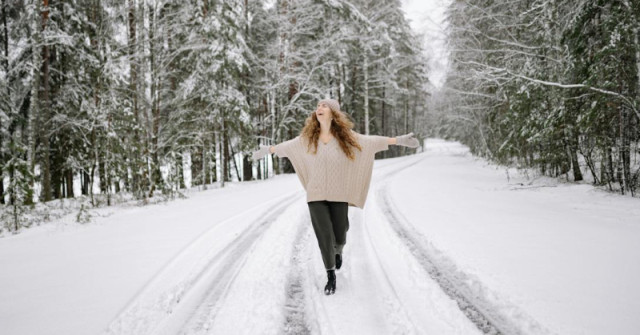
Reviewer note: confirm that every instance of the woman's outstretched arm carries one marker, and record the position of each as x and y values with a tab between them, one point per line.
281	149
393	140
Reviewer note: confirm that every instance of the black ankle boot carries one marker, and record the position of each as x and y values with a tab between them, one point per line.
338	261
330	288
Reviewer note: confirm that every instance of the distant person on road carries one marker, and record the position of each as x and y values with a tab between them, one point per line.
334	164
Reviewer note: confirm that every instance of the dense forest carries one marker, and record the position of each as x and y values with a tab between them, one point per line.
122	96
546	84
137	99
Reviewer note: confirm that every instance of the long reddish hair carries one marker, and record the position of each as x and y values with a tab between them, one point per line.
341	129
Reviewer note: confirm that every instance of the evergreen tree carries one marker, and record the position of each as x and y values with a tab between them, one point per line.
537	84
125	95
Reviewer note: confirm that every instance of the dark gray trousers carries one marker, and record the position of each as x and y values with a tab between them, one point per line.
330	223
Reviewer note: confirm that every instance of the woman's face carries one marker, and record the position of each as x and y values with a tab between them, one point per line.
323	112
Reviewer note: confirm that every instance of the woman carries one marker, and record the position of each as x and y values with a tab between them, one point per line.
334	165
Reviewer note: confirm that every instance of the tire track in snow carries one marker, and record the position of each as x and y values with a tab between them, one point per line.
167	303
314	306
470	298
402	322
200	320
296	315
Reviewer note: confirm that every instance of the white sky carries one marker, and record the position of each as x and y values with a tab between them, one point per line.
427	17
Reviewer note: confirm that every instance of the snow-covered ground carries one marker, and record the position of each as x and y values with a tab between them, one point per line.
446	244
568	255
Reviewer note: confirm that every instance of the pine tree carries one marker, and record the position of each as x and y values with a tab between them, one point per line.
537	84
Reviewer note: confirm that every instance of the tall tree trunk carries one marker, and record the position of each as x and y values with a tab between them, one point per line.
195	165
5	32
156	176
384	111
247	168
233	160
274	126
625	151
95	162
354	71
225	148
180	171
85	183
69	182
143	121
406	107
611	177
34	105
365	71
573	152
636	40
247	163
284	39
138	145
133	73
46	109
339	81
102	170
204	163
214	153
107	149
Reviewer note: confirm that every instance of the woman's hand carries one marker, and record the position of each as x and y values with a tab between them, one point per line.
407	140
258	154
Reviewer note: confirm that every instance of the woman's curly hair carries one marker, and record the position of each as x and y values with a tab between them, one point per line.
341	129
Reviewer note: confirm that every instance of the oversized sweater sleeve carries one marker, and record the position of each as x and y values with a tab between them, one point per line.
374	143
286	148
293	149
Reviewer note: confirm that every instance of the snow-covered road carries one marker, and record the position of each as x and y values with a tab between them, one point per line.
445	245
270	270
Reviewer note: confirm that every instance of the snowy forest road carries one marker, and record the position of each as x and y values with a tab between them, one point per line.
272	270
444	245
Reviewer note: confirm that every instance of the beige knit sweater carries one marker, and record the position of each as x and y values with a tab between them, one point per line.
330	174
